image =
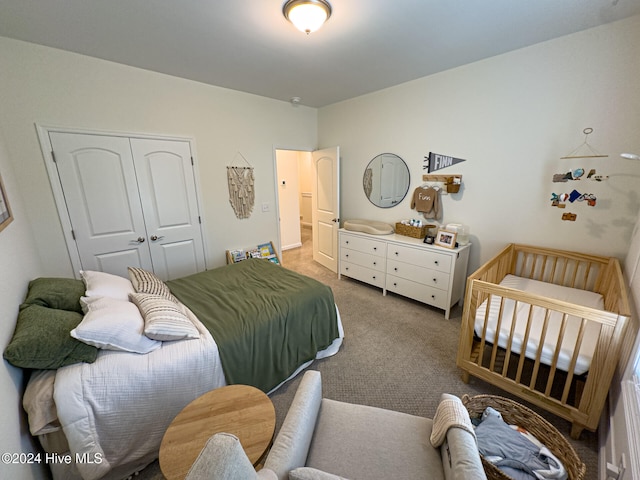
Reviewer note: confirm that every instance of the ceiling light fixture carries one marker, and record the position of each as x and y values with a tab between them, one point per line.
307	15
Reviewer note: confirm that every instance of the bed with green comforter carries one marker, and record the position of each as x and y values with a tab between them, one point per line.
266	320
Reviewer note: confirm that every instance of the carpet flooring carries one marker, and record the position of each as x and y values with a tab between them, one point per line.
397	354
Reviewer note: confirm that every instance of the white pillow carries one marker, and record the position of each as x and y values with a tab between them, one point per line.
101	284
114	325
148	282
163	319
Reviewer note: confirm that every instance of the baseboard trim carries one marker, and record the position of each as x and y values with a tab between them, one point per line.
289	247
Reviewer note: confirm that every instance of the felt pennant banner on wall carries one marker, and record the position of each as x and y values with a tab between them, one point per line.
437	161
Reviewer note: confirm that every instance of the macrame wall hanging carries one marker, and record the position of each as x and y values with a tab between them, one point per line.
241	190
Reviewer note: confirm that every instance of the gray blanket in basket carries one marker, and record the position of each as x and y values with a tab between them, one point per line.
513	453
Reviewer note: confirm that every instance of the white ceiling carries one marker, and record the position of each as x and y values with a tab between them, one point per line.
248	45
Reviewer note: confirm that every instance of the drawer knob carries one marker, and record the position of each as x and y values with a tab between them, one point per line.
433	296
346	255
436	262
395	269
375	248
374	263
346	268
435	280
374	277
397	253
395	284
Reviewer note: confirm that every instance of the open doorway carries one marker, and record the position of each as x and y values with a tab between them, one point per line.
294	190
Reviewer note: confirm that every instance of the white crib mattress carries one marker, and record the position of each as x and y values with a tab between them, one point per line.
567	294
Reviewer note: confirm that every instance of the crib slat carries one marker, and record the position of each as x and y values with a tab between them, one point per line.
544	268
564	271
507	356
585	283
524	344
553	270
575	274
484	329
533	266
536	363
574	360
494	350
556	354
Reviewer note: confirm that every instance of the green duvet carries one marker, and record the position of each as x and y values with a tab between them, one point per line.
267	320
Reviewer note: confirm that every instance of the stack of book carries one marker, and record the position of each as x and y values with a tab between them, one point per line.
264	251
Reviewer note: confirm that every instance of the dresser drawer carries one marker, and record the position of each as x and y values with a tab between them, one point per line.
417	291
363	274
416	273
363	259
365	245
421	257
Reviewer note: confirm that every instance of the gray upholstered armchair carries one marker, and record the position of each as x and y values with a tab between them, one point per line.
324	439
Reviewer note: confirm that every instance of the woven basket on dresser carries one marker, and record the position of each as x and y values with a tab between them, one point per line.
515	414
411	231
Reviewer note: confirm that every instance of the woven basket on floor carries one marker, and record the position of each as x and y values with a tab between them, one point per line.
515	414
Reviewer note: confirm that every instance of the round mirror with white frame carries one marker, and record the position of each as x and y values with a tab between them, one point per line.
386	180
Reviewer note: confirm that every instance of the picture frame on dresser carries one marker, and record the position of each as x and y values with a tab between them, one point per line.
445	238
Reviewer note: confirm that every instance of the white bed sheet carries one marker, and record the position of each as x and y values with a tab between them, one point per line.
572	295
114	412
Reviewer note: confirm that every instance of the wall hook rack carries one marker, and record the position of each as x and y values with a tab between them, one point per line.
451	183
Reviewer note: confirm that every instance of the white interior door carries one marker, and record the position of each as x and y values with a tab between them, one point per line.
167	190
130	202
325	212
396	177
101	194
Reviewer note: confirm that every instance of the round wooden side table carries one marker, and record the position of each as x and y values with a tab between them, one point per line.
244	411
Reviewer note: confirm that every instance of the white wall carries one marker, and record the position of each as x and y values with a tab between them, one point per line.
511	117
306	187
288	198
19	263
48	86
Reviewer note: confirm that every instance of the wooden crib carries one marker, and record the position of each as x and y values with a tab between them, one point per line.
544	347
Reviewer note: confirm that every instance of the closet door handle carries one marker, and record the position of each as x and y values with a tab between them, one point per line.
155	237
139	240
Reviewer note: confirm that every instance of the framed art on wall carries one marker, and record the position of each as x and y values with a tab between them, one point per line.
445	238
5	209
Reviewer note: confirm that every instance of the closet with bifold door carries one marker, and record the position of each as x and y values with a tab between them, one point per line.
129	201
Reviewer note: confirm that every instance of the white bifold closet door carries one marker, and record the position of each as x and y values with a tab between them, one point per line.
131	202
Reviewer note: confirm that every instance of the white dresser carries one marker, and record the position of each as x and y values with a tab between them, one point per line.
406	266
